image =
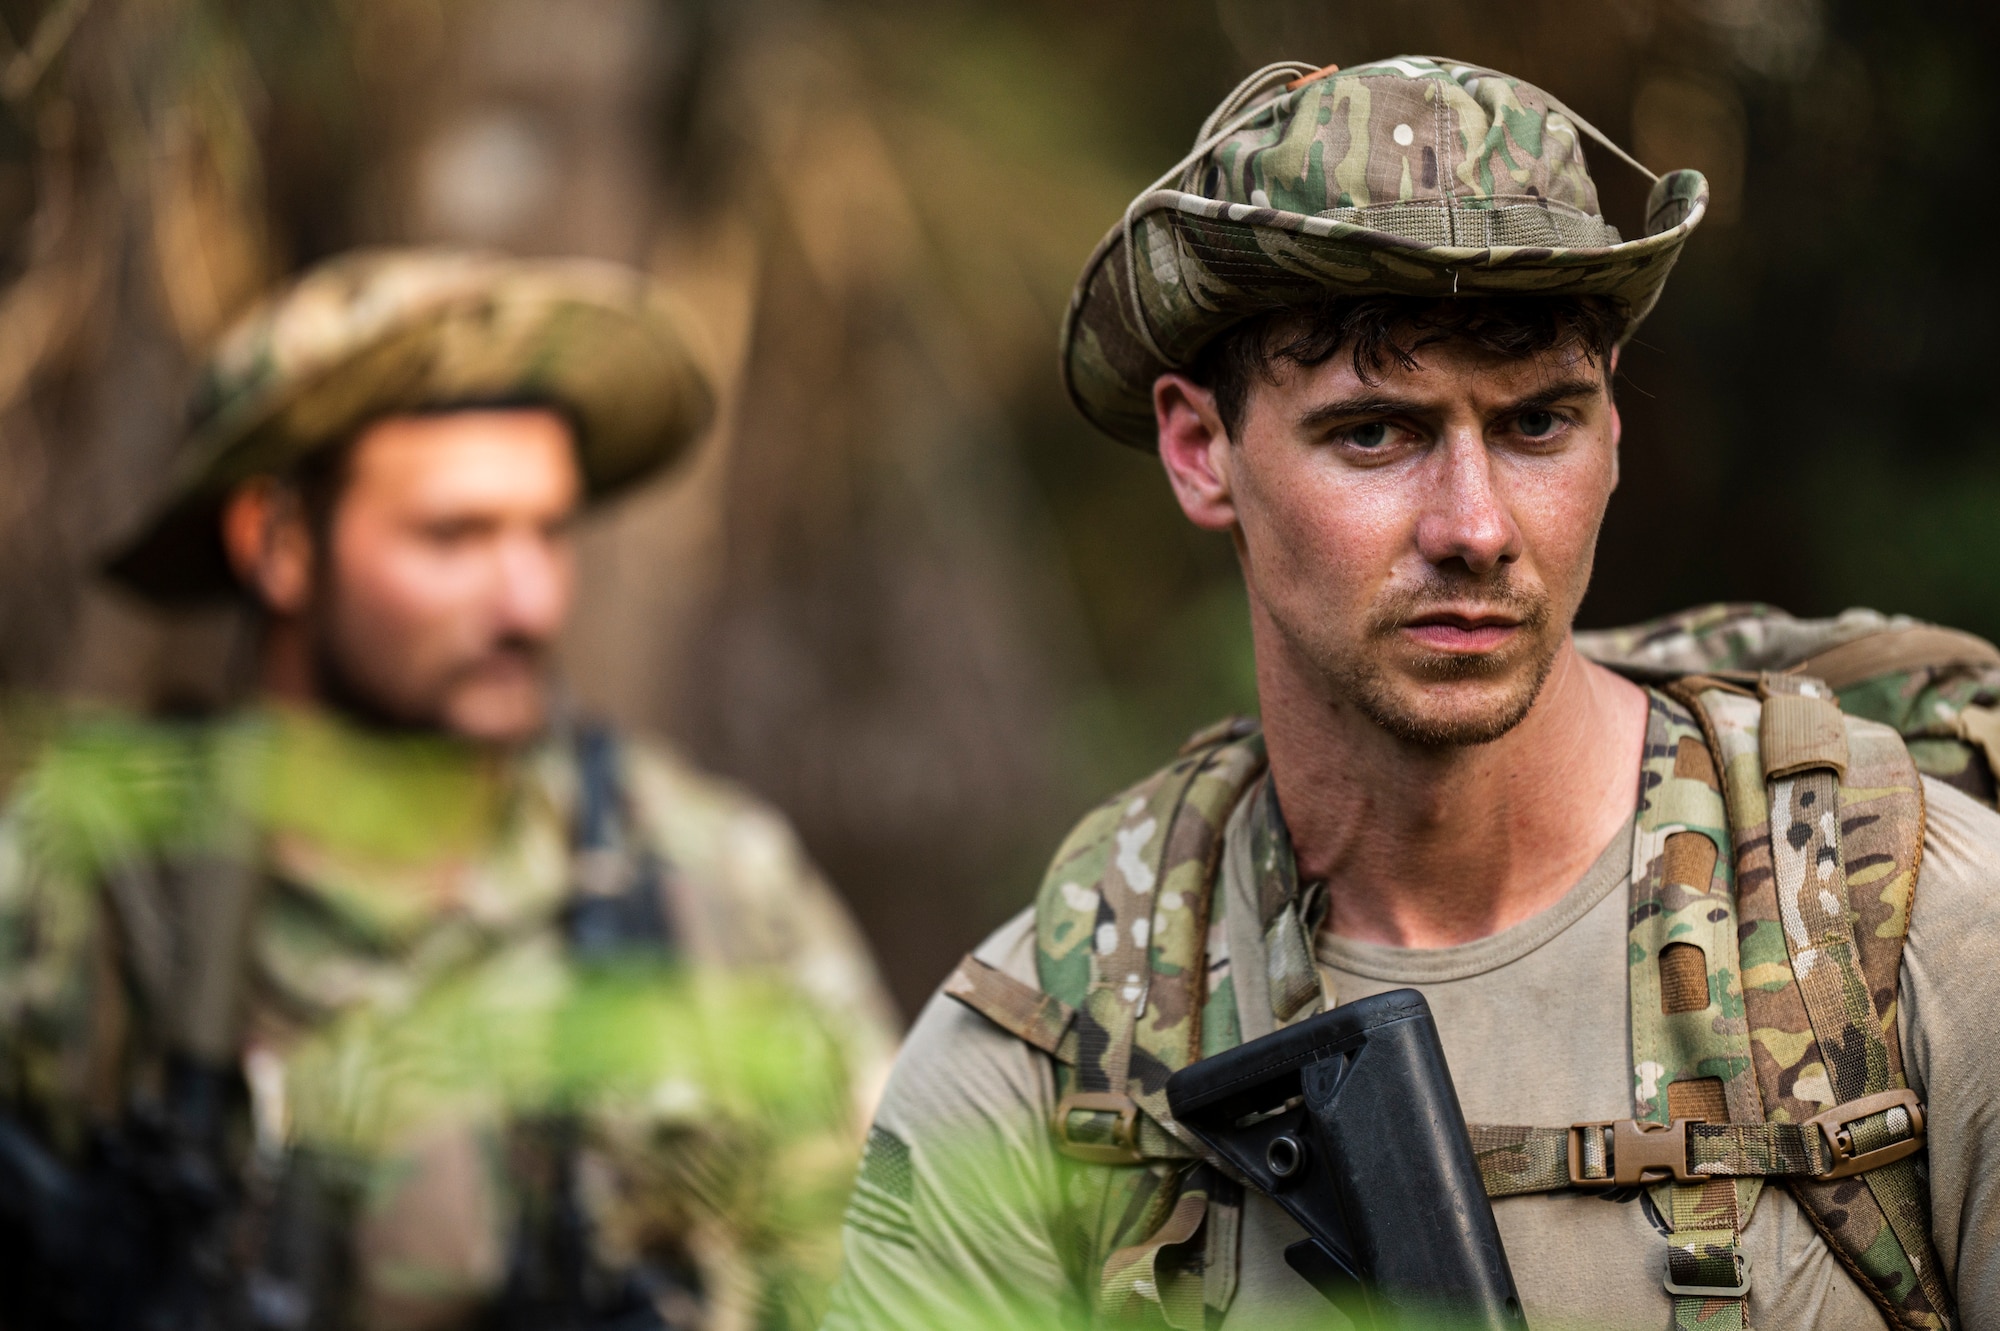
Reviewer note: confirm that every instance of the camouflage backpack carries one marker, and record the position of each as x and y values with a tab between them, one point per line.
1758	722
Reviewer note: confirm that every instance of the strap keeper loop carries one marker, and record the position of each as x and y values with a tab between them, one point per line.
1123	1146
1837	1125
1735	1291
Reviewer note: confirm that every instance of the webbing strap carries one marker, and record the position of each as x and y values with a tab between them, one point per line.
1145	1273
1830	939
1517	1160
1049	1024
1810	869
1022	1010
1811	873
1122	965
1689	1037
1707	1274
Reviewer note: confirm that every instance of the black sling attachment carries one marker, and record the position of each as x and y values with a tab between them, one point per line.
617	914
1350	1122
616	905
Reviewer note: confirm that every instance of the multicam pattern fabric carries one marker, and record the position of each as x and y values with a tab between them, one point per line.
382	331
1938	688
1692	1048
1124	923
1691	1040
1812	984
1413	176
1826	867
1722	933
417	1016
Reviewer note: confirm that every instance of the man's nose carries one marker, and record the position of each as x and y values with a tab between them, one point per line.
1467	517
534	584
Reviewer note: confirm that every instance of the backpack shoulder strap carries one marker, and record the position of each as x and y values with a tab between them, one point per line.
1937	687
1775	854
1121	942
1123	996
1827	819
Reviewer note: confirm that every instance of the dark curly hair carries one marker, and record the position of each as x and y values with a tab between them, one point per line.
1383	330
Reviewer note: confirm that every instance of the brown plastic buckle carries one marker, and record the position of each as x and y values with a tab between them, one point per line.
1835	1123
1640	1153
1122	1149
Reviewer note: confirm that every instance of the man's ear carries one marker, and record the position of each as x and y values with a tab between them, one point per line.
269	543
1195	450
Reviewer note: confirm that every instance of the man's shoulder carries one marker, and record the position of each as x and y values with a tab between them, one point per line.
1010	949
748	889
701	817
1958	880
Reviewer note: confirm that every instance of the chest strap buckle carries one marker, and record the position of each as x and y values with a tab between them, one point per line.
1639	1153
1852	1151
1117	1146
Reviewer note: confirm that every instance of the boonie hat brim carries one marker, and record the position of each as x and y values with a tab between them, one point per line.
1183	266
597	341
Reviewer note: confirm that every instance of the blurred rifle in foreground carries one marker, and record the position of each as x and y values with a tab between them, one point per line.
134	1237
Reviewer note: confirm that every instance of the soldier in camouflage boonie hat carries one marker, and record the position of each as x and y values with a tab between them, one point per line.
378	332
1413	176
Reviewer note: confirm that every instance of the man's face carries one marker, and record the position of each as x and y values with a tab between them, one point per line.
445	572
1415	548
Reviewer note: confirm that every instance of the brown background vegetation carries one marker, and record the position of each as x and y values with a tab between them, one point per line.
903	591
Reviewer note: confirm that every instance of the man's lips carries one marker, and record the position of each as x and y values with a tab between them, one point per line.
1452	631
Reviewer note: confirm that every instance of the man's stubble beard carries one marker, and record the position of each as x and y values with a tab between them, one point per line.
1370	683
347	689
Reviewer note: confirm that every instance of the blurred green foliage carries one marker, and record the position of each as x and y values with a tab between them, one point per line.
1806	414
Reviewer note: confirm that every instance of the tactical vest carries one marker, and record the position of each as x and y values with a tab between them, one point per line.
1775	856
271	1238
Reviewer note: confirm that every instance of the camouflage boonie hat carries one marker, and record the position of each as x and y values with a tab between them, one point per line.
377	332
1414	176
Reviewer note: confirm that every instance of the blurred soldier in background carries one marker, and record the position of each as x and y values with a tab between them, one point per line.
1370	324
403	997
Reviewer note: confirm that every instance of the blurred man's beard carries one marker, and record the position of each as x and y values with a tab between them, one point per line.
1384	678
346	687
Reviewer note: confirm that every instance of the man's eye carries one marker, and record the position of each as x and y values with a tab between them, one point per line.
1537	424
451	533
1372	435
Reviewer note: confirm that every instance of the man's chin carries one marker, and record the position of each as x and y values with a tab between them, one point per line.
1454	723
1428	712
493	715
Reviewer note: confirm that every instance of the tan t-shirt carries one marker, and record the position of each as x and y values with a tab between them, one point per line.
957	1223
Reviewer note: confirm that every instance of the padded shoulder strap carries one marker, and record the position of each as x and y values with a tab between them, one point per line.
1122	925
1826	819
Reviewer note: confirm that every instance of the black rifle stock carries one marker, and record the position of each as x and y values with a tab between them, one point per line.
1349	1121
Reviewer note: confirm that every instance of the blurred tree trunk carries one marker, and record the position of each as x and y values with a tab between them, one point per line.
828	603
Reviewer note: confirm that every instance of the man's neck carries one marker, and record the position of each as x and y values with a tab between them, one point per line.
284	663
1425	847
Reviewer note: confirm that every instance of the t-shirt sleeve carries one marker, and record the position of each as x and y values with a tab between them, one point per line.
1950	1017
953	1220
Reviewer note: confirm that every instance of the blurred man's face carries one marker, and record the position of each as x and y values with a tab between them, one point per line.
1415	548
444	573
